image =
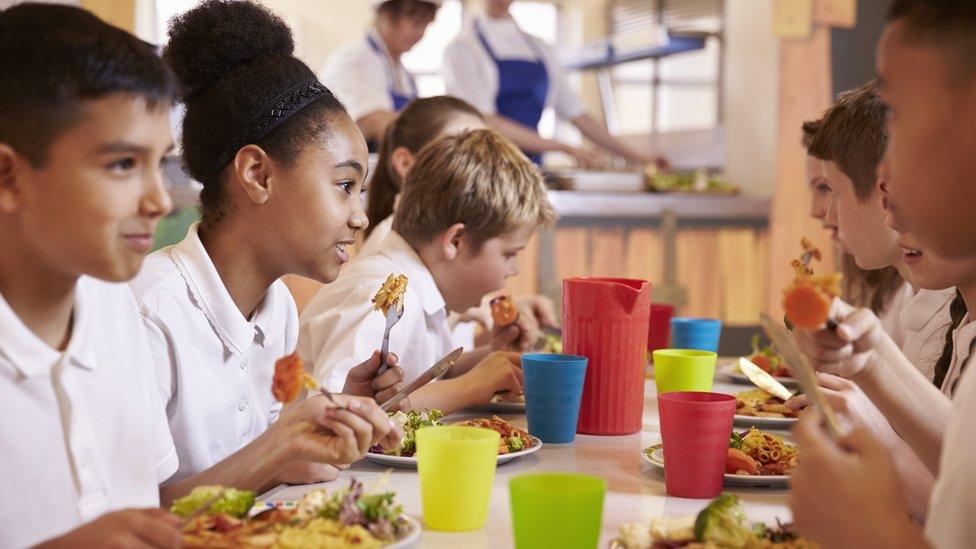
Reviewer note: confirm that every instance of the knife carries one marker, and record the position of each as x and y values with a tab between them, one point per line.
434	372
763	380
804	373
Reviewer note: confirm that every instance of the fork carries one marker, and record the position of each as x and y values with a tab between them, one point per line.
328	394
392	317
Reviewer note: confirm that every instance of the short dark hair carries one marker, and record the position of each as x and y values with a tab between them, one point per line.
235	59
810	129
413	9
854	135
53	58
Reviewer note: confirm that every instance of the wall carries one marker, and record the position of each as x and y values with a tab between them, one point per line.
751	95
321	27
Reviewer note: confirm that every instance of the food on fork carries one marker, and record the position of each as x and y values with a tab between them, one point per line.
289	379
503	311
807	300
390	293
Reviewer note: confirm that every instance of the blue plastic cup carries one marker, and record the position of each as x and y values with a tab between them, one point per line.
553	388
701	334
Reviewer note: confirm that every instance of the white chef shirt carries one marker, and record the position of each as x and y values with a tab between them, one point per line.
84	432
362	77
214	366
471	74
952	505
340	328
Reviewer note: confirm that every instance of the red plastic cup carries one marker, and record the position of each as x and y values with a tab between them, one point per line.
695	431
605	320
659	331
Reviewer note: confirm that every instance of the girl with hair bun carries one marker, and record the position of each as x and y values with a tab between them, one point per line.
282	167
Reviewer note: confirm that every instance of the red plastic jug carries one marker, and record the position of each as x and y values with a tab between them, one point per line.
606	320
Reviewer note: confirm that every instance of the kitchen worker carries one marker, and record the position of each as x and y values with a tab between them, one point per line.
367	75
512	76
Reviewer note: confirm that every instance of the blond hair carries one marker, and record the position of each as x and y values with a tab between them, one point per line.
477	178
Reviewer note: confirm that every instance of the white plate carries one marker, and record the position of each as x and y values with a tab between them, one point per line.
502	408
781	423
656	460
411	462
412	536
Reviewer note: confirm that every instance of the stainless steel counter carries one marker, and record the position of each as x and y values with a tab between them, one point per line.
653	207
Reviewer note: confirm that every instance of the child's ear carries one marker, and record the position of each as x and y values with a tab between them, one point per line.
253	169
10	192
452	240
402	160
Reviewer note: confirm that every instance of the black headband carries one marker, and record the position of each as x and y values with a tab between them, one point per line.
278	110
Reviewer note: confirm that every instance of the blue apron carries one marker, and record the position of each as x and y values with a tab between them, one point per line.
399	100
522	87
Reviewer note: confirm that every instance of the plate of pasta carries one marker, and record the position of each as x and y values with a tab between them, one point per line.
754	459
757	408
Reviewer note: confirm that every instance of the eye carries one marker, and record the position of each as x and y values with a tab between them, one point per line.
122	165
346	186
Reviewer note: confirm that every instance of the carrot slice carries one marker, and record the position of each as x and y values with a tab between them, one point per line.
503	310
738	462
806	306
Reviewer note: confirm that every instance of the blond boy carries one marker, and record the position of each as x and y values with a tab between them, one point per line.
469	206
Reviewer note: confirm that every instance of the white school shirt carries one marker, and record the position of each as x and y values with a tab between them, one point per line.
952	504
891	316
361	77
214	366
340	328
471	74
83	431
925	319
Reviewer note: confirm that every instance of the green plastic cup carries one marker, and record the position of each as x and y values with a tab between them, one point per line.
562	510
684	370
457	470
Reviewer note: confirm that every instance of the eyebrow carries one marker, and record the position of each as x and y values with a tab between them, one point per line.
124	146
354	164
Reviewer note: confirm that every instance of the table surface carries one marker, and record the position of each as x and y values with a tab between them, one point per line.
635	491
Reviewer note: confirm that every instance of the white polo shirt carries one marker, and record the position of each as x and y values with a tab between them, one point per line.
891	316
340	329
953	505
471	74
925	319
362	77
83	431
214	366
376	237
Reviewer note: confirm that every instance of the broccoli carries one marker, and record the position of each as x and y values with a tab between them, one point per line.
735	441
515	444
236	503
723	524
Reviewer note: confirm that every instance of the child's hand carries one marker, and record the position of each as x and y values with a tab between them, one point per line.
517	336
852	406
308	472
363	380
498	372
130	528
848	349
540	308
318	431
832	478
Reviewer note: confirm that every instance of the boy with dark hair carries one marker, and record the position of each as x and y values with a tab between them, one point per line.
927	67
84	128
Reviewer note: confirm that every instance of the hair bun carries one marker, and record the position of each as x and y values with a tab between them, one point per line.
217	36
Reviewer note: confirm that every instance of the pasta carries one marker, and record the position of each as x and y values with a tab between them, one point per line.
774	455
390	293
759	403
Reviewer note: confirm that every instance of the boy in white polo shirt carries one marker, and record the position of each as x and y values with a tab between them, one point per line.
84	128
471	202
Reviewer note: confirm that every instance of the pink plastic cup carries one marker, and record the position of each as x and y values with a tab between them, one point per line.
695	431
659	332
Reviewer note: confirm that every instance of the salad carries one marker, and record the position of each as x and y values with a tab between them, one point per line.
345	518
236	503
722	524
410	422
767	358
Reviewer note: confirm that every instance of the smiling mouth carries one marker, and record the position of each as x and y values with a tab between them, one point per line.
911	252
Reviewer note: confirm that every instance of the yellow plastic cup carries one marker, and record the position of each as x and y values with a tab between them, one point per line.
684	370
457	469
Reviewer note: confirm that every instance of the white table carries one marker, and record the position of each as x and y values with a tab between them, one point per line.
635	491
